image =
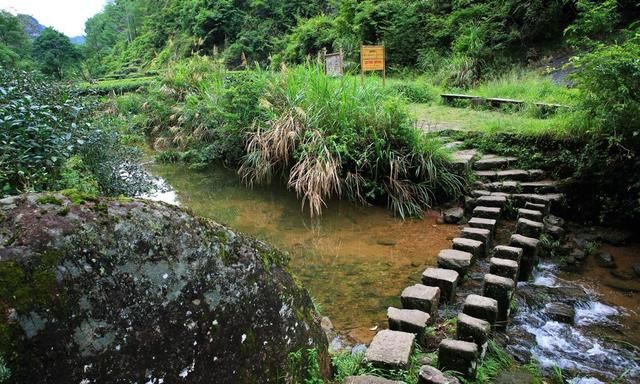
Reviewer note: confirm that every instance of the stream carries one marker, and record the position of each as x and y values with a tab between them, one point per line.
356	260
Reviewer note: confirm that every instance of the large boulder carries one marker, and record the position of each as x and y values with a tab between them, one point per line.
132	291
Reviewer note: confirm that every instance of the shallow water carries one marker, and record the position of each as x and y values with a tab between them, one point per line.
355	261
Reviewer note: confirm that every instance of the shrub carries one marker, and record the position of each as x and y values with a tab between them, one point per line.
334	137
413	91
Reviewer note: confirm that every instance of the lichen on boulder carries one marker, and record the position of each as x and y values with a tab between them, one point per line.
106	291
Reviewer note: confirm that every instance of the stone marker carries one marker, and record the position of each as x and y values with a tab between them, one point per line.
407	320
504	267
474	330
508	252
474	247
431	375
478	222
479	234
459	261
529	228
368	379
453	215
492	201
445	279
487	212
501	289
560	312
481	307
544	208
529	254
530	214
457	355
423	298
390	349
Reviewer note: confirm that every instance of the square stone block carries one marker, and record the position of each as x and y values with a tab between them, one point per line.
445	279
487	212
423	298
501	289
457	355
479	234
459	261
474	247
504	267
481	307
529	228
390	349
475	330
407	320
479	222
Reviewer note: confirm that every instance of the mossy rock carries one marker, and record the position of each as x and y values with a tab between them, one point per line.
136	291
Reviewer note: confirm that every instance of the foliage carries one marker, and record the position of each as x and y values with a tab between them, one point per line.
54	53
495	361
335	138
5	372
595	19
14	42
48	143
413	91
309	38
305	368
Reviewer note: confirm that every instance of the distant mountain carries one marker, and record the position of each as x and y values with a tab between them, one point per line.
77	40
31	26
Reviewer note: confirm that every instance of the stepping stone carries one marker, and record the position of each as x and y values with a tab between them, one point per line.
544	208
519	174
508	252
453	144
431	375
479	234
492	201
554	231
489	162
461	160
481	307
534	215
479	192
520	199
475	330
368	379
560	312
474	247
445	279
407	320
457	355
478	222
504	267
503	186
543	186
529	228
487	212
459	261
529	254
390	349
423	298
501	289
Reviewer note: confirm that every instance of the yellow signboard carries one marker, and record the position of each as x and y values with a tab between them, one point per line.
372	58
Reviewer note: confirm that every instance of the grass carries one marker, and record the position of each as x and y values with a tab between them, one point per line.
116	85
436	117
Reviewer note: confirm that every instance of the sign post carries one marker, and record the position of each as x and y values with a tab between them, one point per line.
372	59
333	64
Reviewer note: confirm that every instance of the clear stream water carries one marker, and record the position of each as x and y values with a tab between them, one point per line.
356	260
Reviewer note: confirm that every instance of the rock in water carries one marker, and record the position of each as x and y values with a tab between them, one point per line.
115	291
453	215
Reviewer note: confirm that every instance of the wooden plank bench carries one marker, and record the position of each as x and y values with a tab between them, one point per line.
450	97
497	101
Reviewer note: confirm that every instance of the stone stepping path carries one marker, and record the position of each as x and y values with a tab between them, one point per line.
499	188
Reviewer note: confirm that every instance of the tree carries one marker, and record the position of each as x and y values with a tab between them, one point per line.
14	42
54	52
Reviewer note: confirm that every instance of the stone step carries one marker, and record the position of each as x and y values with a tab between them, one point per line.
529	228
531	214
469	328
501	289
445	279
492	200
487	212
491	162
474	247
459	261
512	174
368	379
457	355
481	307
390	349
504	267
423	298
544	208
529	254
453	144
549	200
432	375
508	252
463	159
524	187
478	222
408	320
479	234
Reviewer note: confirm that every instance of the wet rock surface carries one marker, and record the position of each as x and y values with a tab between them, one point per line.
134	291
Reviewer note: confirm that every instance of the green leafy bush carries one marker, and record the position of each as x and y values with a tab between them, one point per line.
413	91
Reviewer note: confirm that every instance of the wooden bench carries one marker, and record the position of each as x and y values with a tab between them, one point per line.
450	97
497	102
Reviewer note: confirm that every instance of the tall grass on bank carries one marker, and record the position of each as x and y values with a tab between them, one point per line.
338	138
